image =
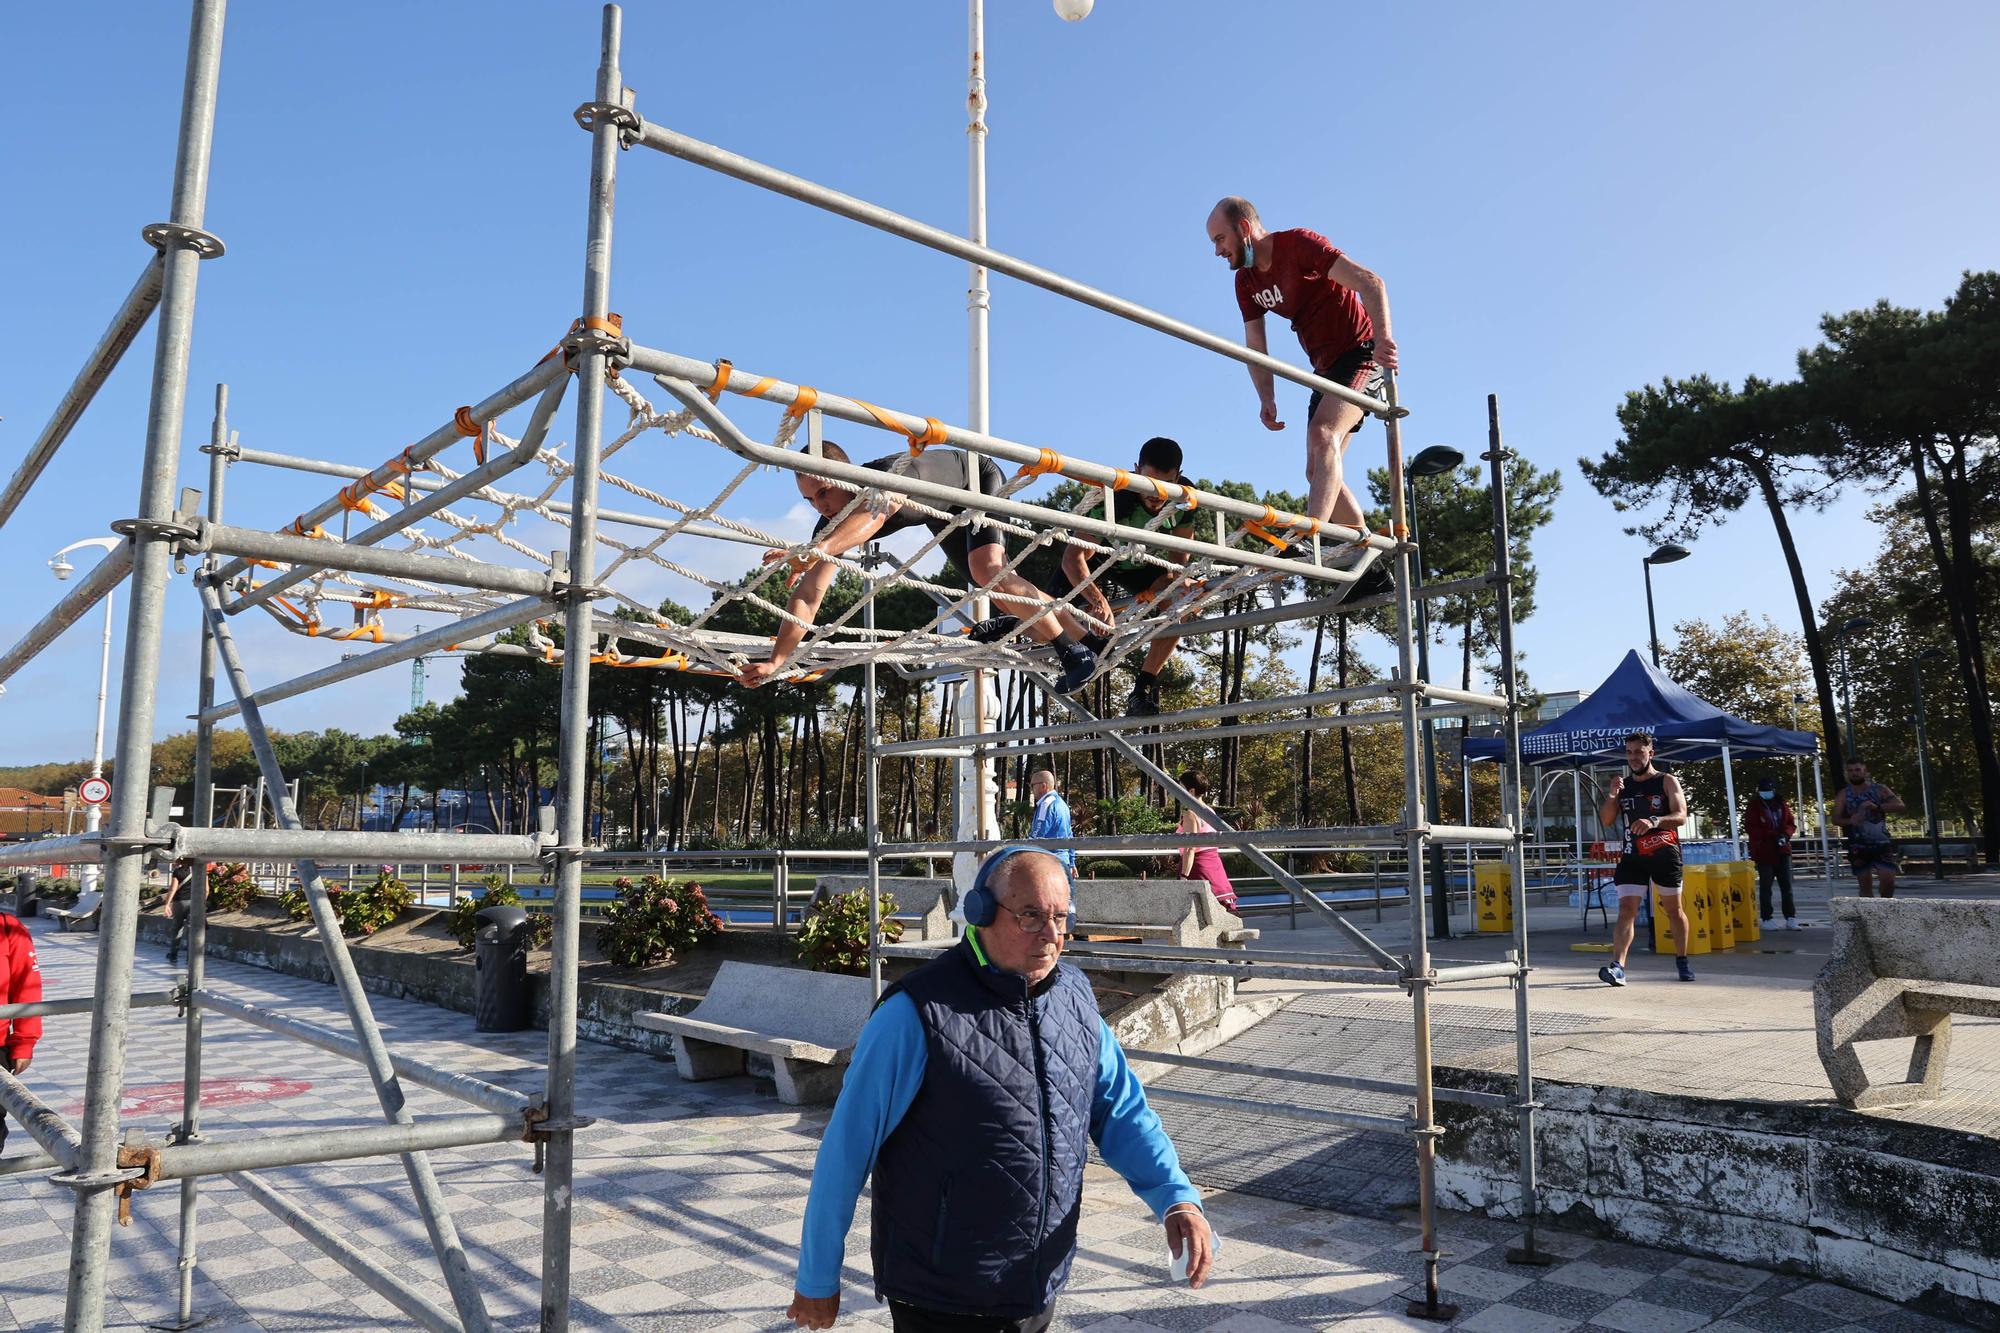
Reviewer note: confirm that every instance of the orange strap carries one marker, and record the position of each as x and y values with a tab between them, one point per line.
932	433
1120	479
1257	529
1189	498
298	529
473	430
807	400
1050	461
722	370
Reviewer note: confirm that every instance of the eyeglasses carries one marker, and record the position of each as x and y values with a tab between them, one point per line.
1034	921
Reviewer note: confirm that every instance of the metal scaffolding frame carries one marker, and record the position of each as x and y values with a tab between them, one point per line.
103	1167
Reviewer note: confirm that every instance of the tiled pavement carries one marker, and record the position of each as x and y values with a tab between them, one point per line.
689	1205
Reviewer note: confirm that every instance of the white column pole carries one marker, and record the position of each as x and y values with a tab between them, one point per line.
1729	795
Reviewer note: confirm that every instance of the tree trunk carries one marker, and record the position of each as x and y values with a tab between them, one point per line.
1350	781
1829	717
1305	803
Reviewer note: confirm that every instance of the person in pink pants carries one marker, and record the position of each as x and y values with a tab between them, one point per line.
1203	862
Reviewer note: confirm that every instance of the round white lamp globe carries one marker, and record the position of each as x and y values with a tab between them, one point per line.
1072	10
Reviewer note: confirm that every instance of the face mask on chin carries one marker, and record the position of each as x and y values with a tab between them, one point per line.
1768	795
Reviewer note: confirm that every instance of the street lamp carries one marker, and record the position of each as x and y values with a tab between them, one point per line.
60	566
1924	762
1798	764
1663	555
1435	461
1840	637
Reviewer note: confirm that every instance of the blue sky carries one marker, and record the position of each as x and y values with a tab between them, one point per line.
1566	201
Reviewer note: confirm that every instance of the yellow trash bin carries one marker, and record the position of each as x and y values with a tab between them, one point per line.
1743	901
1694	900
1721	915
1493	891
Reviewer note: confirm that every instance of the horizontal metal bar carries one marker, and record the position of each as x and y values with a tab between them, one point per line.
80	1004
57	1137
465	633
324	552
1469	833
1446	694
336	845
493	407
378	1279
69	849
1228	953
656	522
22	1163
1360	835
492	1097
688	149
1091	961
951	497
1205	713
91	589
1372	717
1282	1111
1478	971
491	470
1388	1087
132	315
335	1144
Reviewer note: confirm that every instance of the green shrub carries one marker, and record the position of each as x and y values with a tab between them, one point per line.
58	890
835	936
461	921
653	919
361	911
230	888
1096	869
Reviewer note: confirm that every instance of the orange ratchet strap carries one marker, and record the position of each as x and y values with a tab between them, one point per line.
932	433
472	430
1050	461
807	400
722	369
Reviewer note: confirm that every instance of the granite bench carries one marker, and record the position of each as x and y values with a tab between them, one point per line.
1901	967
805	1022
1169	911
80	917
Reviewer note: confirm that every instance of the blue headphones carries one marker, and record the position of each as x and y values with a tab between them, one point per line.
981	903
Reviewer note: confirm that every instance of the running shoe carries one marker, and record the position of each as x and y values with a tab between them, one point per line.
1079	665
993	629
1145	700
1793	923
1097	643
1681	967
1611	974
1376	581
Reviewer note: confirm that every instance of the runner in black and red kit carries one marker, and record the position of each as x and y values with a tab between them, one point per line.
1650	807
1340	311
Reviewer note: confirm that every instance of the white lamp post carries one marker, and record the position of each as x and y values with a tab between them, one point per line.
60	566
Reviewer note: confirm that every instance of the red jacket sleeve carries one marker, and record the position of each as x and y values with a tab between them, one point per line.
23	983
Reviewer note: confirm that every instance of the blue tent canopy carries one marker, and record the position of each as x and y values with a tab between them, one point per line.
1636	697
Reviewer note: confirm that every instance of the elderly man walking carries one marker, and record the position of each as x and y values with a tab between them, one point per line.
975	1092
1051	815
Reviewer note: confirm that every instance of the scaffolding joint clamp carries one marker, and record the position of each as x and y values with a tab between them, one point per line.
590	114
188	535
161	235
229	450
617	352
563	592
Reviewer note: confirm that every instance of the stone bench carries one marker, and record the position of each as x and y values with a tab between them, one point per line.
805	1022
1169	911
1901	967
81	916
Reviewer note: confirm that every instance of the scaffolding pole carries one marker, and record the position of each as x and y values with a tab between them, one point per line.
388	1091
183	245
594	347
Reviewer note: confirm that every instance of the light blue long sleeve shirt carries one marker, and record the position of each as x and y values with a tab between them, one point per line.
882	1081
1052	821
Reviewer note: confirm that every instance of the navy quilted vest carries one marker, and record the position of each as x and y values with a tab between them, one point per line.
978	1190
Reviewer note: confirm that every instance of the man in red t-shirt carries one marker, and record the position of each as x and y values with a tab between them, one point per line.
1340	312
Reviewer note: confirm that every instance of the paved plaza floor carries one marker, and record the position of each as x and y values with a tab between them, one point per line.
690	1199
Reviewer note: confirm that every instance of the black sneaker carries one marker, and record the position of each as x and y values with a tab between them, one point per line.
1097	643
1079	665
1145	700
1373	583
993	629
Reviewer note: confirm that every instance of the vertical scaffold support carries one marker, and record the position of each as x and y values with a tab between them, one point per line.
183	245
871	786
1416	809
1497	458
592	352
196	943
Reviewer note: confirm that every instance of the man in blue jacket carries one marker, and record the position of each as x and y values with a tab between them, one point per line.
1051	815
976	1090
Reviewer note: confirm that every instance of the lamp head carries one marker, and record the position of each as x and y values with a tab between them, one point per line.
1435	461
1855	626
62	568
1074	10
1668	553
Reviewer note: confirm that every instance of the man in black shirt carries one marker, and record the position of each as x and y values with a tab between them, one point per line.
1650	806
981	551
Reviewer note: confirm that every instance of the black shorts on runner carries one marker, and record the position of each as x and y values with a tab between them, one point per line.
1662	868
1357	370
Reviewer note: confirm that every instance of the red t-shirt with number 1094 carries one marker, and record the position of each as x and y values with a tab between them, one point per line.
1328	317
